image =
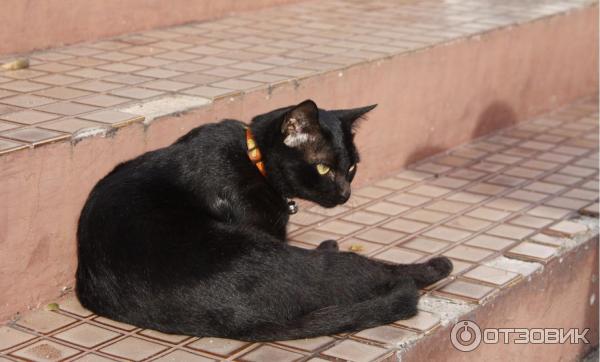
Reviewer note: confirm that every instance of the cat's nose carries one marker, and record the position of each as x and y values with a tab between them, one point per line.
345	194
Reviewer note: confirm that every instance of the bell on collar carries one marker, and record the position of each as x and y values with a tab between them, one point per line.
292	207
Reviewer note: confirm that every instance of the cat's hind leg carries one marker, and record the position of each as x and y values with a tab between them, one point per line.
399	303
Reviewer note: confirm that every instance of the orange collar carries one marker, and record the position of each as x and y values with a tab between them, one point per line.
254	153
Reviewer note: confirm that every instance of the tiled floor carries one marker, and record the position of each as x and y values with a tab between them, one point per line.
513	193
84	86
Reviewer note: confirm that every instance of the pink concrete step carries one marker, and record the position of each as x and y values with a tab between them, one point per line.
516	211
442	72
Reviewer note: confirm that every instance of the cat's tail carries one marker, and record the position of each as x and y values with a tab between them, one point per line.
399	303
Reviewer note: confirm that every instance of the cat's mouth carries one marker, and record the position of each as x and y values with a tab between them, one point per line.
331	203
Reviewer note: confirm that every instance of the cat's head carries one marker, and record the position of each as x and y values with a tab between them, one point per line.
318	158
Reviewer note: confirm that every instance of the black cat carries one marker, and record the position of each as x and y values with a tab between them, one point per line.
190	239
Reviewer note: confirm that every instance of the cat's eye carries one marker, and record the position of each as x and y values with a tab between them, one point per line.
322	169
352	168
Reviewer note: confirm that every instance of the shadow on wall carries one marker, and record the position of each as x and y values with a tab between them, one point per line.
496	116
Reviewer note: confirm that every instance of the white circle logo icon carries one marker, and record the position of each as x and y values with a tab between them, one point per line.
465	336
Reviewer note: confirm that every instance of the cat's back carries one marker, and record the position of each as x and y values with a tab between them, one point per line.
171	179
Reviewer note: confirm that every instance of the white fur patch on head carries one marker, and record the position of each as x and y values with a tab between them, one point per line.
297	139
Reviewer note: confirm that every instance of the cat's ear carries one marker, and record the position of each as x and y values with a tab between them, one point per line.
350	116
301	124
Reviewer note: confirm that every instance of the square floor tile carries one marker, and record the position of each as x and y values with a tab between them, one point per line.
114	118
425	245
67	108
549	212
102	100
511	231
115	324
72	305
27	101
463	289
531	252
163	337
490	242
339	227
350	350
35	136
494	276
387	208
382	236
566	228
7	146
531	221
467	197
43	321
413	175
426	216
459	266
406	226
372	192
92	357
10	337
305	218
70	125
308	344
399	256
422	322
507	204
545	187
393	183
134	349
328	211
451	207
468	223
363	217
446	233
408	199
567	203
43	351
28	117
183	356
219	346
449	182
468	253
581	194
86	335
548	239
527	196
427	190
487	189
62	93
489	214
387	335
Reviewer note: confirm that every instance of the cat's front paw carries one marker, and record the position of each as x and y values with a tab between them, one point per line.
441	266
331	245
